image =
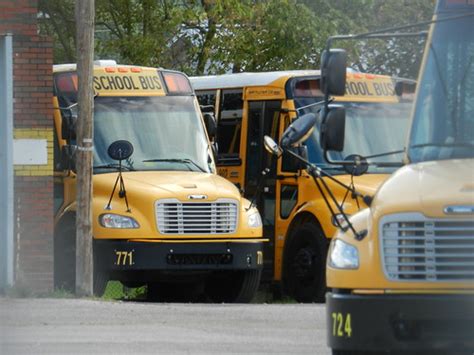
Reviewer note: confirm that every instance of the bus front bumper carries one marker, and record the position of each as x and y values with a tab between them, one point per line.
400	322
123	255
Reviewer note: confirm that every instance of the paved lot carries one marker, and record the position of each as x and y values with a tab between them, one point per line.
60	326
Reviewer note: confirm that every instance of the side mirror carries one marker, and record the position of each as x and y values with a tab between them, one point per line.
333	72
68	157
120	150
271	146
298	131
211	124
333	128
68	124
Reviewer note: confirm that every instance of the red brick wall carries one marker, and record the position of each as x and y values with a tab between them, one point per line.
32	110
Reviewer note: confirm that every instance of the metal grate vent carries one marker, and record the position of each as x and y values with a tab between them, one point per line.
418	248
175	217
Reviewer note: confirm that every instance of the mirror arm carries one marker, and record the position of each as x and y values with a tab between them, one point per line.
253	201
317	173
323	173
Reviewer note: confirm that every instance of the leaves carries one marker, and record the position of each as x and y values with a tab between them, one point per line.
218	36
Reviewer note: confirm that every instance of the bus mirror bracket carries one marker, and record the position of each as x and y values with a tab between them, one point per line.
333	71
298	131
333	128
290	163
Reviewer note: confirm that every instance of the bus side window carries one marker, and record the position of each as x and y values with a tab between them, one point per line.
229	127
206	98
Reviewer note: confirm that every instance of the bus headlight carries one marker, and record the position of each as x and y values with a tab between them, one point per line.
254	220
110	220
343	255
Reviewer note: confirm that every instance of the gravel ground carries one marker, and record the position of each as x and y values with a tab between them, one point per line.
82	326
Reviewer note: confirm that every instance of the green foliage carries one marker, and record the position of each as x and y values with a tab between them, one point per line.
217	36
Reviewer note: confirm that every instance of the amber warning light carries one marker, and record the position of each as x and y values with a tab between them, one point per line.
177	83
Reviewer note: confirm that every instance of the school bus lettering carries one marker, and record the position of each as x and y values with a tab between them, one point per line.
223	172
126	82
362	88
341	324
385	89
150	83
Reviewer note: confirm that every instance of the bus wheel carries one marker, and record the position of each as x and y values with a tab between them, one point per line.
100	282
65	255
233	286
305	264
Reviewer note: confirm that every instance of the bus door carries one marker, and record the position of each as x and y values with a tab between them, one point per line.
263	119
287	190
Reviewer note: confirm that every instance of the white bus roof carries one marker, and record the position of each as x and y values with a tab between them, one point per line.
227	81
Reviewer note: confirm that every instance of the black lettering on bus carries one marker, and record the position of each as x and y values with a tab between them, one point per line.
127	81
157	83
362	88
378	89
390	89
111	81
354	88
348	89
143	82
103	81
119	82
97	85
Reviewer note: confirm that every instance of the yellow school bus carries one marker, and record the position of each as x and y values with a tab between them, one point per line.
296	220
408	285
162	217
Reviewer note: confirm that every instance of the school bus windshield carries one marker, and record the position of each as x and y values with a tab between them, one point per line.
165	132
371	128
443	126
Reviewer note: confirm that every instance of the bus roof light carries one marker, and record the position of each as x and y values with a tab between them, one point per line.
136	70
123	70
177	83
110	70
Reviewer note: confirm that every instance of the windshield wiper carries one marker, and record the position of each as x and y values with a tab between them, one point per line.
113	166
185	161
448	145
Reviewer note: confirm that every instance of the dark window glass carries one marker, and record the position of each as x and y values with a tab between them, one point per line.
206	98
230	123
288	199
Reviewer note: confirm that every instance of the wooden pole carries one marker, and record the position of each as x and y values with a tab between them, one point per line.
85	57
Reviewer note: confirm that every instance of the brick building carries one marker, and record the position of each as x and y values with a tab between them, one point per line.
26	59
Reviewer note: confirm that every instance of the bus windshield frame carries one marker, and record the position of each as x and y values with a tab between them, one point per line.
165	131
371	128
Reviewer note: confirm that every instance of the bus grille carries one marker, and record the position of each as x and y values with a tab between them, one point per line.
175	217
417	248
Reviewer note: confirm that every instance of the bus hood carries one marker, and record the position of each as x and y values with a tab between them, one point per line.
184	186
429	187
365	184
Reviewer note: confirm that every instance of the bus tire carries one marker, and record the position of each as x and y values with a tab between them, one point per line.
65	255
305	264
100	282
233	286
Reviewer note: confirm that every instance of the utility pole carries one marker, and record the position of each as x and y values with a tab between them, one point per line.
85	56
